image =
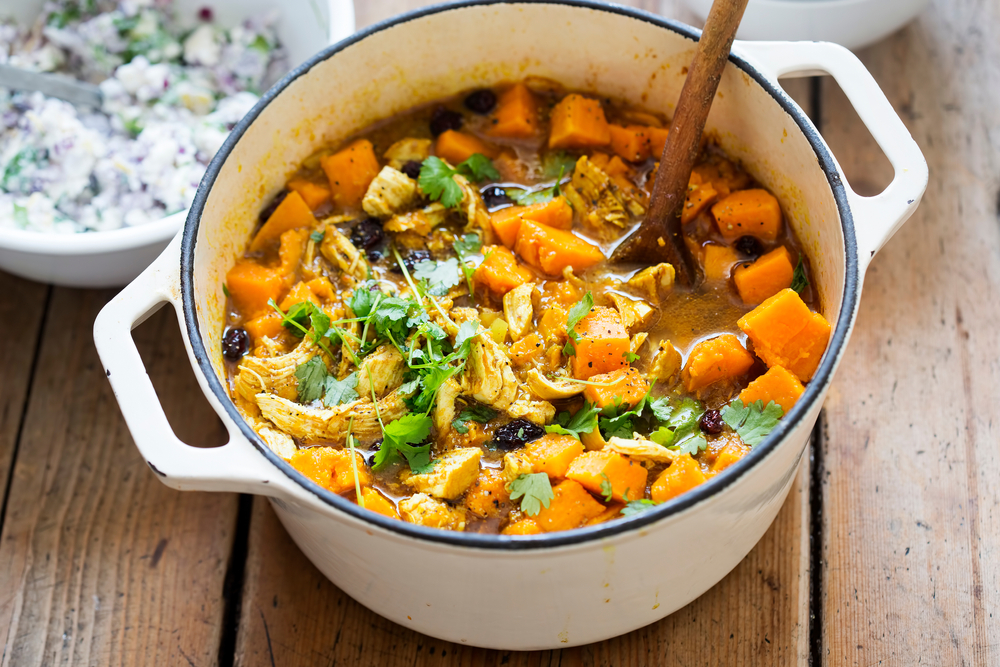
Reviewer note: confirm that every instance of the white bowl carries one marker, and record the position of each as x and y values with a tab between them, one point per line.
850	23
113	258
540	591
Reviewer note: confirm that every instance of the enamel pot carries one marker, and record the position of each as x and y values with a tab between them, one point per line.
526	592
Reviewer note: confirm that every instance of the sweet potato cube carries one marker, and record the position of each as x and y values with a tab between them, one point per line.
578	122
454	146
718	261
765	277
526	349
777	385
376	502
755	212
596	470
552	250
571	507
720	358
500	271
351	170
552	324
612	511
331	468
786	333
298	294
313	194
683	475
552	453
631	142
522	527
699	195
516	116
268	324
556	213
251	286
603	344
730	454
625	386
657	140
488	495
292	213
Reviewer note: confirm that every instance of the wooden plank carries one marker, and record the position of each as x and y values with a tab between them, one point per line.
99	562
21	311
911	499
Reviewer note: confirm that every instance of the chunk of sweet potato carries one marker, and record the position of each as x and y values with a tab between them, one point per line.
552	250
251	286
376	502
683	475
755	212
268	324
786	333
500	271
765	277
777	385
597	469
602	345
527	349
553	453
292	213
454	146
631	142
313	194
516	116
718	261
522	527
555	213
657	140
730	454
578	122
625	386
571	507
562	292
330	468
351	170
699	195
720	358
488	495
297	294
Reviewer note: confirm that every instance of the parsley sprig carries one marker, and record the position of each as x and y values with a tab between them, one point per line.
584	421
535	491
437	181
752	422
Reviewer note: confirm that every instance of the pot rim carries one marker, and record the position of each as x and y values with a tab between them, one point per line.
577	536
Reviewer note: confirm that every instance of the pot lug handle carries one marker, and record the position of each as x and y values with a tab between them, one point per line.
876	218
177	464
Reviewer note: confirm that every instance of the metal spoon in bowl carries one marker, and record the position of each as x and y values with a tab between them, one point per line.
75	92
660	237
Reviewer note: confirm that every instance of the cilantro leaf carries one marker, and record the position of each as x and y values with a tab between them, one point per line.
466	332
577	313
361	302
631	357
661	408
554	164
662	436
440	276
799	279
638	507
529	197
296	320
400	436
478	167
606	489
683	421
436	182
339	392
476	413
623	425
535	490
424	469
584	421
468	244
752	422
312	379
317	236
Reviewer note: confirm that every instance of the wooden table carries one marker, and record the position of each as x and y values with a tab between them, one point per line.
886	551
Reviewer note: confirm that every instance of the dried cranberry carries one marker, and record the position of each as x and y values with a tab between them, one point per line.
235	344
516	434
494	195
205	14
411	260
443	120
374	256
269	209
481	101
411	169
370	457
367	233
749	246
711	422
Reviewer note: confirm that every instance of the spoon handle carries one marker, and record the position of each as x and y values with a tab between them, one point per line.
73	91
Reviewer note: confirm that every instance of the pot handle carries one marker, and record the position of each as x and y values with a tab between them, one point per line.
177	464
876	218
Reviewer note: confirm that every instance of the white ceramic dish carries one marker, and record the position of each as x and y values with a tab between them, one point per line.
103	259
540	591
851	23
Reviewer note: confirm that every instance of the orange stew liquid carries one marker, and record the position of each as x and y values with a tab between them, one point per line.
425	321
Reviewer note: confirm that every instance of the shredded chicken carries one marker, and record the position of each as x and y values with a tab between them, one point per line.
543	387
635	313
641	449
339	250
598	198
389	193
420	221
516	464
488	375
278	442
330	424
384	369
518	310
539	412
444	408
407	150
426	511
453	473
667	362
474	210
274	375
655	281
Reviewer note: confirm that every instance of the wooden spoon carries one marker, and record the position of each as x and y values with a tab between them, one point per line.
660	237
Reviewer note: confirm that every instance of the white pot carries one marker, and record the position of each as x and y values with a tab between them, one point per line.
530	592
113	258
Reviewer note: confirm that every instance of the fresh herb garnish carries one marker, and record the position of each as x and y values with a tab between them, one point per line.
752	422
799	279
400	437
554	164
576	313
682	422
606	489
584	421
317	236
529	197
438	276
535	490
466	245
225	290
621	425
631	357
638	507
437	182
306	317
478	167
339	392
662	436
476	413
312	380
